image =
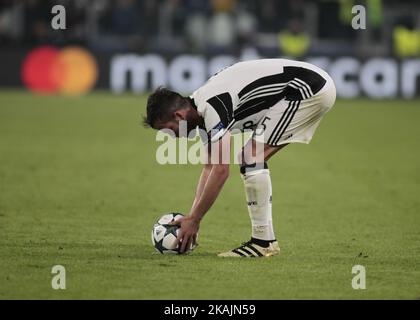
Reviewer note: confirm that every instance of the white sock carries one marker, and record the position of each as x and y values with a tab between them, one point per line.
257	184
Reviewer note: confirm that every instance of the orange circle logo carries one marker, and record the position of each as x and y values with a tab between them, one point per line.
70	71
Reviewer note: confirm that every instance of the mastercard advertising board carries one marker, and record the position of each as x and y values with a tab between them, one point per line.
49	70
75	71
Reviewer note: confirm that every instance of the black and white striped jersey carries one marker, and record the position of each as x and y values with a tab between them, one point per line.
238	96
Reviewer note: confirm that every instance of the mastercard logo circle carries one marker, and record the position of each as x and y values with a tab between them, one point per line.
70	71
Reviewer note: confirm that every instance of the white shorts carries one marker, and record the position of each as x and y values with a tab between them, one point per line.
295	121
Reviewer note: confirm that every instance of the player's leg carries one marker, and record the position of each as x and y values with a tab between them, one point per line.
257	183
256	177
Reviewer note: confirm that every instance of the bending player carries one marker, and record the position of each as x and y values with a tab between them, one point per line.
282	101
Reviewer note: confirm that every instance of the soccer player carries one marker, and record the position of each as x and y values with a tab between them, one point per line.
282	101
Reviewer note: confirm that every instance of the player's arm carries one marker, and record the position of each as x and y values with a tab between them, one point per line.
202	182
206	169
215	181
216	176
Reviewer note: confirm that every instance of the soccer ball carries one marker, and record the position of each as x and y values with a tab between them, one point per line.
164	235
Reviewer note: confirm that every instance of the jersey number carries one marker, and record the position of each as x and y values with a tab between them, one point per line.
249	125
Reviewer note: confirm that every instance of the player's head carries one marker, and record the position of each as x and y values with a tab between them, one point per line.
166	108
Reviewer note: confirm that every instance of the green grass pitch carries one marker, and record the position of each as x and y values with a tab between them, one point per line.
80	187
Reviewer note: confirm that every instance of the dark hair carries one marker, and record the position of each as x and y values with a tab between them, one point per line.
161	104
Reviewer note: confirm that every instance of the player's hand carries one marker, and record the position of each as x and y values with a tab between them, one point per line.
187	235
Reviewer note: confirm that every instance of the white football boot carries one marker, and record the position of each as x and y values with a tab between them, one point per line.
252	250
